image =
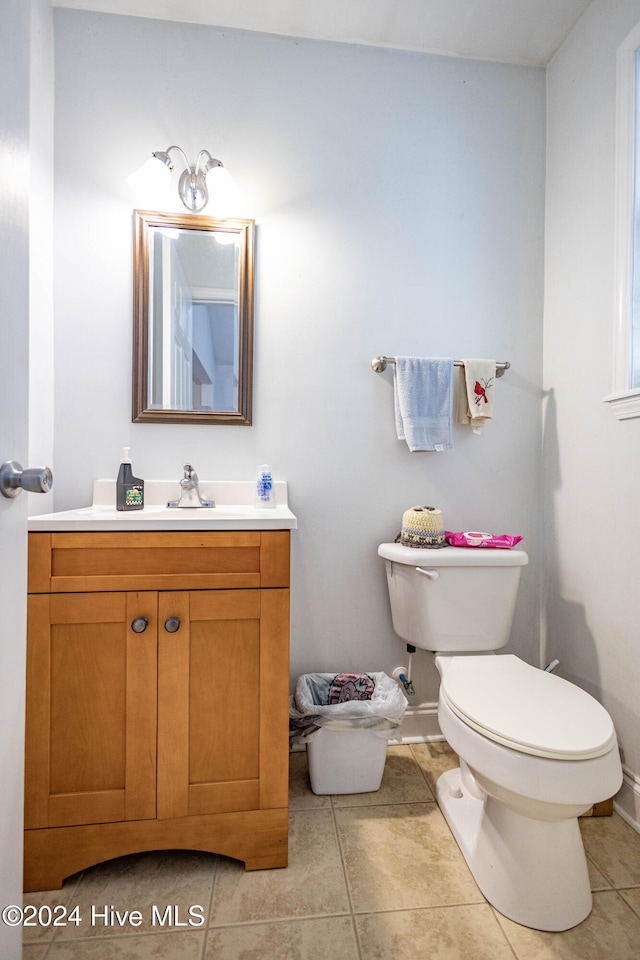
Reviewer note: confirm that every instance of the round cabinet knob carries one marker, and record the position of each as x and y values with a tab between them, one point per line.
172	625
139	625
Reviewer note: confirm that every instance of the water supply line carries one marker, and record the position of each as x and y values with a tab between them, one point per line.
551	667
409	683
403	674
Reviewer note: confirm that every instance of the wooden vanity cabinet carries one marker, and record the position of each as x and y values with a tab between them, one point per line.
157	698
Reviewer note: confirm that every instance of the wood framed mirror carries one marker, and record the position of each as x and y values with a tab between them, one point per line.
192	319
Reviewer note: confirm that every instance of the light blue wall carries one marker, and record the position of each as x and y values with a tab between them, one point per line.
399	204
592	460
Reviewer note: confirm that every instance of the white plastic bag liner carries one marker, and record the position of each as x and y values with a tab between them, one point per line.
309	709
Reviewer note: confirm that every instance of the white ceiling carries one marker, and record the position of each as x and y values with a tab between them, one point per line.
512	31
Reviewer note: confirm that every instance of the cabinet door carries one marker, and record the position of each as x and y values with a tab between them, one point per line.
223	693
91	708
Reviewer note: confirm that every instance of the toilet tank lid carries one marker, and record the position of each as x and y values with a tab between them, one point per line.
453	556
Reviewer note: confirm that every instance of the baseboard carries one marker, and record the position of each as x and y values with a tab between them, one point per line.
419	725
627	801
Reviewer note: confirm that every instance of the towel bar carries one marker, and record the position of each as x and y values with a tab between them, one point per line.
380	363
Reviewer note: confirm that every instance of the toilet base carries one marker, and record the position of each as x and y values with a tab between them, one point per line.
532	871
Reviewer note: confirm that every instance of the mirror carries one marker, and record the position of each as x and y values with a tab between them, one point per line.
193	319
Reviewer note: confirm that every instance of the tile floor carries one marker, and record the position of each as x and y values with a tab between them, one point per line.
371	876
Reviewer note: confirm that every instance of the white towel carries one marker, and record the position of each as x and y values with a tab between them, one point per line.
475	391
423	401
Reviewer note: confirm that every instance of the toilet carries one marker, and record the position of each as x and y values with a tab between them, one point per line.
535	751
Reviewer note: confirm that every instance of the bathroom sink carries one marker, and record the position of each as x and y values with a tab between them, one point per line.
234	510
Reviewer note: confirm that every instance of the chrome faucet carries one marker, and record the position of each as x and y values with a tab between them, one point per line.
189	491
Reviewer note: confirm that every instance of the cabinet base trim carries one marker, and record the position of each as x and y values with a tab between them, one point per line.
258	837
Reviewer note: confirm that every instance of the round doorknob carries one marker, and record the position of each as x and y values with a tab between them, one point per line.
13	479
172	625
139	625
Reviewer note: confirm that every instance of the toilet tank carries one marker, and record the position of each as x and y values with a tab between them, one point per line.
455	598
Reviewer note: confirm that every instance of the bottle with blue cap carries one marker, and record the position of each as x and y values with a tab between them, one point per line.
265	497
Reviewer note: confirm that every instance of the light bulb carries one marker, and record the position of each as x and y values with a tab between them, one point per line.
150	183
224	196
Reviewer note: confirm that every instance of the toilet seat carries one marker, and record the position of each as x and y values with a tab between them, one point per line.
526	709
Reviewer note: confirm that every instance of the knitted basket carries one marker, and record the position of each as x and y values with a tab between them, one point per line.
423	527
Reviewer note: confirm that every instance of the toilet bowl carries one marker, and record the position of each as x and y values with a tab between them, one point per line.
535	751
513	806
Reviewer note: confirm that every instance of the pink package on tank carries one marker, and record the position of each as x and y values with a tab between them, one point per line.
472	538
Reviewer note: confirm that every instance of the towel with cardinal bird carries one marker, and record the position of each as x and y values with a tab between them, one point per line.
475	391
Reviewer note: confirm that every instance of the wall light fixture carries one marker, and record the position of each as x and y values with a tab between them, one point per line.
206	176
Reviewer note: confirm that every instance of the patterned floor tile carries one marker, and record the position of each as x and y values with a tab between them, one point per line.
402	856
312	885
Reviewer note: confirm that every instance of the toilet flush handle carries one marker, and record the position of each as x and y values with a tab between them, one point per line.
432	574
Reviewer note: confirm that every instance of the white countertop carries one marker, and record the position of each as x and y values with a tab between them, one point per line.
234	510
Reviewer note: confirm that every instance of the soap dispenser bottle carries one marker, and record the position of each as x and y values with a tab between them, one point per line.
129	489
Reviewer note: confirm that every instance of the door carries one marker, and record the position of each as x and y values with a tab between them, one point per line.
91	708
223	685
14	333
170	334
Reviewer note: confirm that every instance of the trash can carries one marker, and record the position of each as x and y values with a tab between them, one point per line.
346	721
